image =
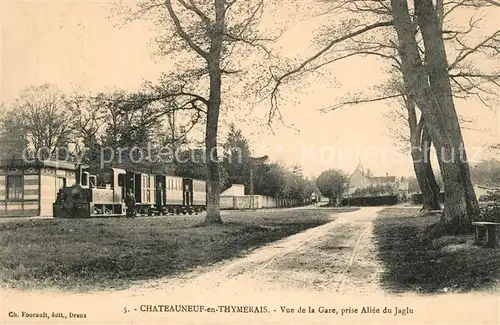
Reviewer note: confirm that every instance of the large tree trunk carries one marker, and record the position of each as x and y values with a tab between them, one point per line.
437	70
213	177
431	193
214	102
212	159
437	109
420	153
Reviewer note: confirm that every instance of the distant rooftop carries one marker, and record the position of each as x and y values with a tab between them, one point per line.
378	179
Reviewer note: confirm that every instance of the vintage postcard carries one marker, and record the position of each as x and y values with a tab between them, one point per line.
250	161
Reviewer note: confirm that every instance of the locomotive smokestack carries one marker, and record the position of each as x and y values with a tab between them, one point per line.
79	172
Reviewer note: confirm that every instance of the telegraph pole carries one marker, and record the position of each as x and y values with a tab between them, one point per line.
173	127
174	141
498	127
348	196
254	162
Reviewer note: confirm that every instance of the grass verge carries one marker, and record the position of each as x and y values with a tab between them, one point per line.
93	254
413	263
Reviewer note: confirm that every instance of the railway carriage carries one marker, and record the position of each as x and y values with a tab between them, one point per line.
179	195
144	189
169	194
199	192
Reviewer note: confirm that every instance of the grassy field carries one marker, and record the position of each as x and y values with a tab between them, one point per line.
416	264
112	253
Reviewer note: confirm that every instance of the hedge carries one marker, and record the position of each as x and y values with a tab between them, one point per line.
371	200
418	199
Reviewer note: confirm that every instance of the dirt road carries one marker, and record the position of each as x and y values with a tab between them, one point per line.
338	256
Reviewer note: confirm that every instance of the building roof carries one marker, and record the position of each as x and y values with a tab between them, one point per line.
234	187
384	179
359	168
59	164
378	179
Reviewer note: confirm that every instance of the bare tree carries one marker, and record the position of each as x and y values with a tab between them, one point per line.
13	140
469	82
345	42
41	114
215	35
431	87
87	126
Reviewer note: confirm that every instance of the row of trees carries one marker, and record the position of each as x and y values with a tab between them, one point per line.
259	174
45	123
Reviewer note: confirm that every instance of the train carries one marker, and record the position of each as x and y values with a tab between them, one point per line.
100	192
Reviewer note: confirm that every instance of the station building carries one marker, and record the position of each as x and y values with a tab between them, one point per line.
29	188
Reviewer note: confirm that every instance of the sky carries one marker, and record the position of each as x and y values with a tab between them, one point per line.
73	45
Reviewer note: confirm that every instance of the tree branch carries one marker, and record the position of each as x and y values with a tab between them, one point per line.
192	6
466	51
350	55
332	43
493	2
360	101
279	80
182	33
251	42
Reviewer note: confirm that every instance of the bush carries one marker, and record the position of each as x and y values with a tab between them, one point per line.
490	212
491	196
418	198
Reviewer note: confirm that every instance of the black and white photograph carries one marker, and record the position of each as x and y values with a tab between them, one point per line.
250	162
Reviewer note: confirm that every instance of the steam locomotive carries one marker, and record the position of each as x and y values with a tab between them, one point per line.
101	193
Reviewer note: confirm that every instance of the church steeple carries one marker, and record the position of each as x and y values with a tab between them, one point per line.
360	168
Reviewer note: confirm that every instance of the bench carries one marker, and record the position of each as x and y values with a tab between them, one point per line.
486	229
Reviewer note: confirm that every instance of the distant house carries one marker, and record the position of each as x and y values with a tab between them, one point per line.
234	190
359	179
